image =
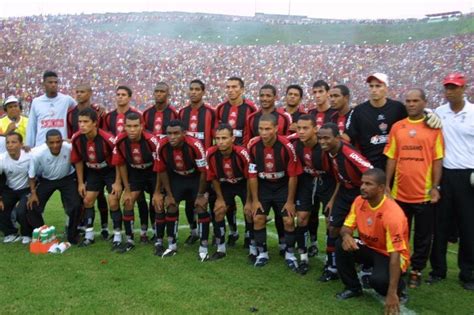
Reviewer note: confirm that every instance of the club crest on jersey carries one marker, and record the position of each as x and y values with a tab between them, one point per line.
120	121
227	165
307	156
232	122
91	149
369	221
193	126
178	158
136	151
381	117
383	127
233	114
412	133
269	156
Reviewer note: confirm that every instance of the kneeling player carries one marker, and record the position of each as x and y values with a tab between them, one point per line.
134	155
181	167
273	178
92	154
228	171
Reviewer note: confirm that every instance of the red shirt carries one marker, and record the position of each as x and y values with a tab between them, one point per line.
114	122
139	154
200	122
156	120
231	169
95	153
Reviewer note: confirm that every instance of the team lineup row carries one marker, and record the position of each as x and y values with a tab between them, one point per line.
281	159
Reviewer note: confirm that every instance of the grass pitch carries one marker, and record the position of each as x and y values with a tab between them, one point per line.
95	280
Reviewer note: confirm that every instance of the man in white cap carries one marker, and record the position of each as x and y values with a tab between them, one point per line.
457	183
13	120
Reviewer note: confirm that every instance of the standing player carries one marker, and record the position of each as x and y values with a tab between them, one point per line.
48	111
235	111
51	170
415	157
200	121
315	184
83	98
181	167
228	171
273	173
323	110
347	165
293	98
383	243
14	165
134	155
156	117
457	184
339	98
92	155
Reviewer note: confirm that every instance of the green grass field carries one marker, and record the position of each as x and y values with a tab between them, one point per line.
258	33
95	280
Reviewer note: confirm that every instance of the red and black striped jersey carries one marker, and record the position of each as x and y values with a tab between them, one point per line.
157	120
348	166
229	169
275	163
340	120
114	122
200	123
187	160
283	119
322	117
72	119
313	159
136	154
296	115
95	153
237	117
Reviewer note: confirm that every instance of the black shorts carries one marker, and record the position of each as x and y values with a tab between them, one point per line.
184	187
230	191
324	188
305	193
141	180
342	205
96	180
272	196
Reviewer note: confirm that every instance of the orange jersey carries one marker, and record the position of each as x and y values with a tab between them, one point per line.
414	147
384	228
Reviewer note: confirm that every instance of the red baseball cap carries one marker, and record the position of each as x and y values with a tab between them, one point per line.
455	78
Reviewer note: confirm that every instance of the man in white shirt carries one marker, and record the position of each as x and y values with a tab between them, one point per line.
48	111
14	164
457	183
51	170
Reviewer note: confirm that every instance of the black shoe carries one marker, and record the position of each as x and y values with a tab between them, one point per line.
125	248
313	251
105	234
191	239
468	285
218	255
347	294
433	279
86	242
403	297
252	258
232	239
144	239
366	281
303	268
246	243
116	246
292	264
282	252
328	276
159	250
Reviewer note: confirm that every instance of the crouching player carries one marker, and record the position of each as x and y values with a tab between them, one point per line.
92	154
273	176
228	170
134	155
181	167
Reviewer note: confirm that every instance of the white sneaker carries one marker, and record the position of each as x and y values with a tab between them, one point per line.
26	240
12	238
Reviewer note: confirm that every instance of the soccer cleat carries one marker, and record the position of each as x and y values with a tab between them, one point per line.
365	279
218	255
168	253
347	294
12	238
292	264
232	239
203	257
433	279
328	276
191	239
105	234
261	261
403	296
26	240
159	250
414	279
313	251
116	246
468	285
86	242
282	252
125	248
303	268
144	239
